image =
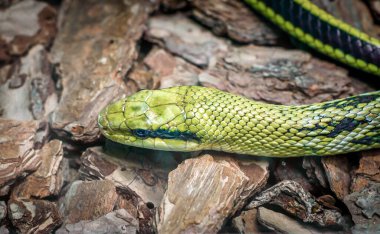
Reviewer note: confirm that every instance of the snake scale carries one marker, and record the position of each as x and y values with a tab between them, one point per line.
189	118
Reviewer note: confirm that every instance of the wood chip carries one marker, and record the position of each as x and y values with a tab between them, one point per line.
20	31
17	149
280	76
132	172
368	170
338	174
292	197
34	216
184	38
48	179
204	191
281	223
170	71
30	88
88	200
118	221
93	60
364	207
246	222
236	20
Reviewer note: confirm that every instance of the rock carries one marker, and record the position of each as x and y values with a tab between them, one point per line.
204	191
118	221
34	216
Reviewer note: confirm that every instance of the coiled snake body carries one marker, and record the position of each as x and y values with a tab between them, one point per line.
192	118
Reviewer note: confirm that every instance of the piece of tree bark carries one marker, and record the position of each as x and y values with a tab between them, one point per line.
88	200
281	223
33	216
291	169
186	39
203	192
3	211
20	31
315	171
47	180
364	207
118	221
169	70
236	20
337	170
291	197
131	172
18	157
246	222
368	170
94	49
30	88
280	76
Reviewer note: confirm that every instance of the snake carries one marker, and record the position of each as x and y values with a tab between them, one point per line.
193	118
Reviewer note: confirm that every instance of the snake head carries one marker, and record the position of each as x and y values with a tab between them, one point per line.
153	119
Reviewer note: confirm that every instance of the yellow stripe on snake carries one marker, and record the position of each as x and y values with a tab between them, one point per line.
190	118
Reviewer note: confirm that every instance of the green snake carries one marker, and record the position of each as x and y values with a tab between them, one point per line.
190	118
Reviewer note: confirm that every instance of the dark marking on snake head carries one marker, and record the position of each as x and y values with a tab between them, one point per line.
165	134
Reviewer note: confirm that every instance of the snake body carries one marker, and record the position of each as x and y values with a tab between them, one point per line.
190	118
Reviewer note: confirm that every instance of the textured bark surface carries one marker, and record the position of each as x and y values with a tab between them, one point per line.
18	158
47	180
88	200
338	174
131	172
30	87
234	19
93	59
34	216
118	221
203	192
20	31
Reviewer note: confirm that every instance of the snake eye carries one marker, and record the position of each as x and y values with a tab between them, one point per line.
141	133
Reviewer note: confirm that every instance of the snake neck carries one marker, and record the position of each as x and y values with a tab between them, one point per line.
231	123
